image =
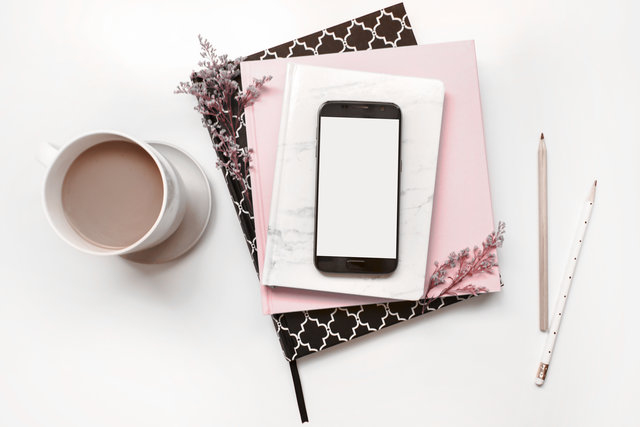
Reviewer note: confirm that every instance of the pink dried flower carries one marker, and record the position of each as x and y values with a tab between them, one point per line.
461	265
222	103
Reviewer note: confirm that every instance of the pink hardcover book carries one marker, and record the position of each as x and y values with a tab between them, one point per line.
462	214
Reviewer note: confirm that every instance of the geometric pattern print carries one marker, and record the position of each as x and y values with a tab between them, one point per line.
306	332
388	27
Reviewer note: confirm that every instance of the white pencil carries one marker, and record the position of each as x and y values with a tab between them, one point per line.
543	237
585	216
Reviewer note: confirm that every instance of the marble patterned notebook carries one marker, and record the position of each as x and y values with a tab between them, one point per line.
290	239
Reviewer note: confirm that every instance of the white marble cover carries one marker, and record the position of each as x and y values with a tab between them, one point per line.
290	239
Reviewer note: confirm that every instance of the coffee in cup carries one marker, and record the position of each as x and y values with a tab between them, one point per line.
112	194
109	194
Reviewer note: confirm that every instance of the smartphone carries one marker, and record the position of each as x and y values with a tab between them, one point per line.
357	187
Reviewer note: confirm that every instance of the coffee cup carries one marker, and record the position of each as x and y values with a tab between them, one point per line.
106	193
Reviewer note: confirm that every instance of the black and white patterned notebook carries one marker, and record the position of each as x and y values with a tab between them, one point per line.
307	332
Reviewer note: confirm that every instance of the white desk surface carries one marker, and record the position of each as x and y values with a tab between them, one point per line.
103	342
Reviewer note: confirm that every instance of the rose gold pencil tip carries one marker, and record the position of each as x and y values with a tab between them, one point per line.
541	135
592	193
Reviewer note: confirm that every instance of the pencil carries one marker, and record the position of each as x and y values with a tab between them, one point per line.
543	236
569	271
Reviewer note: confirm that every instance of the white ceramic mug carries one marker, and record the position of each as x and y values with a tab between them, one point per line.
58	161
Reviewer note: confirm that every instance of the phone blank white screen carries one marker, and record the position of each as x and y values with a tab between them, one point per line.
357	187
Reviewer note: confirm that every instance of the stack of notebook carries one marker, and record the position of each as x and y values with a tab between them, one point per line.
376	47
462	214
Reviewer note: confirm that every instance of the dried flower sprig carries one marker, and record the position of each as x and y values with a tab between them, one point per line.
461	265
222	102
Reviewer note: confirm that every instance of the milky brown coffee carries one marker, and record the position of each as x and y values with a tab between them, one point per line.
112	194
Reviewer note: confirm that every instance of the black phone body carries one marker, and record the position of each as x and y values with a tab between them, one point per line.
357	187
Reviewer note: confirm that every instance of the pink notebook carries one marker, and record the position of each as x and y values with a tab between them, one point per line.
462	214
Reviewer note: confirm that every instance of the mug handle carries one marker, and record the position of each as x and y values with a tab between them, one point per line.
47	154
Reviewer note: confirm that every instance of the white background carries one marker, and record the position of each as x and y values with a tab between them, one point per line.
87	341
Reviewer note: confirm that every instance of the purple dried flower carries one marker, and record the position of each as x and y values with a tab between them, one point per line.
222	103
482	261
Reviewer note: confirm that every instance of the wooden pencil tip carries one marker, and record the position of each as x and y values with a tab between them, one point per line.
541	135
595	182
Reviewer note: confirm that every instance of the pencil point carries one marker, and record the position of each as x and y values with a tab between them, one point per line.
541	135
592	193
